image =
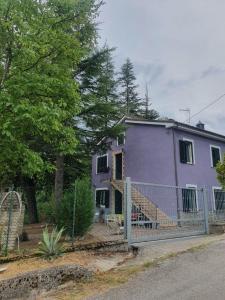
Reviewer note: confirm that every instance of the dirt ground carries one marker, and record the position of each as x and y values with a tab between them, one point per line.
150	255
92	261
98	233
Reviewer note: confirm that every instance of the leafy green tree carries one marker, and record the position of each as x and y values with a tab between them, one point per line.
129	97
41	46
220	168
99	111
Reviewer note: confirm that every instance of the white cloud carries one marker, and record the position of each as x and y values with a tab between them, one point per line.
177	45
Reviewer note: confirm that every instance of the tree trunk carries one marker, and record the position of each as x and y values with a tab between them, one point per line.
30	192
59	175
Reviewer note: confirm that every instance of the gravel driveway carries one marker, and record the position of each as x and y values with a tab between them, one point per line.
196	275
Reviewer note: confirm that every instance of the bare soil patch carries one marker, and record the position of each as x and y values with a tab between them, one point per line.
89	259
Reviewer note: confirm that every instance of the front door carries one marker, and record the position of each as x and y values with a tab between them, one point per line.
119	166
118	202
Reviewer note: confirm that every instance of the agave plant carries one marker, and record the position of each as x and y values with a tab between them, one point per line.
50	247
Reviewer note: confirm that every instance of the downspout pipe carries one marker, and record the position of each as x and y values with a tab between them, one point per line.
176	174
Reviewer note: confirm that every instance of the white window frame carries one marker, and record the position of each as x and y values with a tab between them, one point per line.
96	166
194	187
193	150
117	142
100	189
214	199
216	147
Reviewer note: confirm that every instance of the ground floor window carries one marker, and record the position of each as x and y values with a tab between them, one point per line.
102	198
219	197
189	198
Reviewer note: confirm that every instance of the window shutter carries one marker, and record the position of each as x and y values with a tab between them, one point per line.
215	156
107	198
183	151
98	195
102	164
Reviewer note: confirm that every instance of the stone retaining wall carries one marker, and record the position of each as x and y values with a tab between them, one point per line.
34	282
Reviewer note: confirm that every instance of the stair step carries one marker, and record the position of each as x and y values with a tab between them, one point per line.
148	208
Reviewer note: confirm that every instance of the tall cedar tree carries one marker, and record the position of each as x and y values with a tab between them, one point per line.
41	45
99	97
129	98
99	111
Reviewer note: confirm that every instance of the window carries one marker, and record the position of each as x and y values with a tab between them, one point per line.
186	152
215	155
219	198
102	164
189	198
102	198
121	139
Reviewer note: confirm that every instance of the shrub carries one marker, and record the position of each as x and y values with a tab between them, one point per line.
46	206
84	209
50	246
47	211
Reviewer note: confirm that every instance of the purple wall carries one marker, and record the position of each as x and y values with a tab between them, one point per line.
149	154
100	180
149	157
201	173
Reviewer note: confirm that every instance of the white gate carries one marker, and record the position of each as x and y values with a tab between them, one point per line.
154	212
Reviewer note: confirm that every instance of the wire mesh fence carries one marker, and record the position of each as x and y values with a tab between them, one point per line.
159	212
217	205
150	212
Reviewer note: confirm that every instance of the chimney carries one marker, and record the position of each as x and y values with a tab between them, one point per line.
200	125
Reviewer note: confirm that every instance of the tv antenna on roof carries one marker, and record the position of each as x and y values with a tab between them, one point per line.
188	111
147	100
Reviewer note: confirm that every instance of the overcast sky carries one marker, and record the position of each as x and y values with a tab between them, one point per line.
178	47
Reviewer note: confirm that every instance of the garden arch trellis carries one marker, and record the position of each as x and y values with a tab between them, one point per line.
11	219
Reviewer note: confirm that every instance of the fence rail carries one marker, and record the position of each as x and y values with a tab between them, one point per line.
154	211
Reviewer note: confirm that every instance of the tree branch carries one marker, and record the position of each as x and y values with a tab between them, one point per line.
38	60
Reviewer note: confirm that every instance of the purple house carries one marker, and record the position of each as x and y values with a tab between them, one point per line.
160	152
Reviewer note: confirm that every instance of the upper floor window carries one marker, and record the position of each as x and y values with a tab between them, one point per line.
186	152
215	155
121	139
102	164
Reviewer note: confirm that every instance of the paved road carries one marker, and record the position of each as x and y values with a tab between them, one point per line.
199	275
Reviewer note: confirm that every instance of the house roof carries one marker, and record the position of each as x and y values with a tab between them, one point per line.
170	123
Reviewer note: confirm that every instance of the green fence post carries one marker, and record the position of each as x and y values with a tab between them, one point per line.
10	207
74	208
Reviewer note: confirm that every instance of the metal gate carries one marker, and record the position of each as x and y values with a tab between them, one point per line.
154	212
